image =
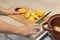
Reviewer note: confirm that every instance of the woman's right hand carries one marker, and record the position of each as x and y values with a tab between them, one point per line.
28	30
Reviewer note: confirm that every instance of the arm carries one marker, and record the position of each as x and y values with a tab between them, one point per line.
3	10
9	10
25	30
9	29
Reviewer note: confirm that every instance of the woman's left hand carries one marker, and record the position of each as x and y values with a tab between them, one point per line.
12	10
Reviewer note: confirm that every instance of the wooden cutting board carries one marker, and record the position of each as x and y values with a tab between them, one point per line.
21	18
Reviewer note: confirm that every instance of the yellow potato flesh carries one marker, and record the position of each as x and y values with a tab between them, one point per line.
31	18
22	10
40	12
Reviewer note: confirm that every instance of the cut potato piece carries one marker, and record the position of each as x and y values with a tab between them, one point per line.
22	10
27	14
36	17
33	14
40	12
31	18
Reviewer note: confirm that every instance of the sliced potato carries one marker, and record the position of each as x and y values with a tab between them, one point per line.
27	14
40	12
36	16
22	10
31	18
33	14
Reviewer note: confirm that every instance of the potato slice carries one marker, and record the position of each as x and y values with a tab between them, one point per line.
31	18
40	12
28	13
22	10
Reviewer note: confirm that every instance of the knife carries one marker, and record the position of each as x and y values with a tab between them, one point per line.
40	20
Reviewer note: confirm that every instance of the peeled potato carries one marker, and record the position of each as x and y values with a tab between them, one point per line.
40	12
36	17
22	10
30	11
31	18
27	14
33	14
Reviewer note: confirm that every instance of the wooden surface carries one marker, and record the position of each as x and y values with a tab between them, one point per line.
21	18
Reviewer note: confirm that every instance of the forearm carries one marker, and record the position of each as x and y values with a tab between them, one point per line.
4	11
8	29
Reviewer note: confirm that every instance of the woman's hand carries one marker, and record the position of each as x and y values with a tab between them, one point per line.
28	30
10	10
25	30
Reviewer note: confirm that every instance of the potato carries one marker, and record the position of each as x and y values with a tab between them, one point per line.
40	12
33	14
36	17
22	10
31	18
27	14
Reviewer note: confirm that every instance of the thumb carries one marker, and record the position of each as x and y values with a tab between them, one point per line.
16	12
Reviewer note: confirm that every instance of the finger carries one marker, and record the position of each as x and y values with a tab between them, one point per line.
37	28
37	25
16	12
33	33
34	25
